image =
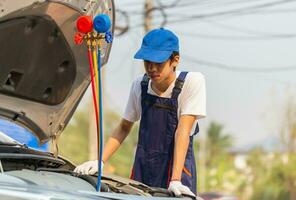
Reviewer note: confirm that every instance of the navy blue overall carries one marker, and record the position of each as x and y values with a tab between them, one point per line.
154	155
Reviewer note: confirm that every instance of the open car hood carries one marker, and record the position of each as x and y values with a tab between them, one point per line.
43	73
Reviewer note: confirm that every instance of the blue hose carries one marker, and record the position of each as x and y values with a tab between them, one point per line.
100	122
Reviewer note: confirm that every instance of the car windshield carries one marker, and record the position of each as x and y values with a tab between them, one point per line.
11	133
4	139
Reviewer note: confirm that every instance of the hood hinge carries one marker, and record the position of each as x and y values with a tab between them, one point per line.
54	140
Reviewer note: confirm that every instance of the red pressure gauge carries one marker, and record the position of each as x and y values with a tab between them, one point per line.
84	24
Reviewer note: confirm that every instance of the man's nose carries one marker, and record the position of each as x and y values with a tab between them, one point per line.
152	67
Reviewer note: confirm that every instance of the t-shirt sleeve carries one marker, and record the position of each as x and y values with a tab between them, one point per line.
132	111
194	96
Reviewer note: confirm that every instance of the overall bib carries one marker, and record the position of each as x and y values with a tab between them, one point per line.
154	155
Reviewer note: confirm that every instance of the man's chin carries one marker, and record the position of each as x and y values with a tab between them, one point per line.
156	80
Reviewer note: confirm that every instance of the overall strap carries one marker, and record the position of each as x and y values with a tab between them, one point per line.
196	131
144	85
179	85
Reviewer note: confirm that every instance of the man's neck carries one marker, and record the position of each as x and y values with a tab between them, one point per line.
160	88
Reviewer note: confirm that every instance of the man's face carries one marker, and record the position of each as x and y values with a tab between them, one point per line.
159	72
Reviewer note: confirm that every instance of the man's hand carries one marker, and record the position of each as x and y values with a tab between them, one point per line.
89	167
178	189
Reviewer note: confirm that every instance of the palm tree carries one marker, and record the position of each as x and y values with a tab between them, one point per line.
214	161
216	141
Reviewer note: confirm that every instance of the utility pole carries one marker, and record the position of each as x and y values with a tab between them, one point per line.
202	161
92	133
148	15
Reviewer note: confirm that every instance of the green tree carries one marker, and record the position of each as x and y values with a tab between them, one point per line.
288	127
217	142
274	179
121	162
218	163
275	174
73	143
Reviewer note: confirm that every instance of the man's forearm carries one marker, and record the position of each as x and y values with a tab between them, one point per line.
180	151
117	137
182	139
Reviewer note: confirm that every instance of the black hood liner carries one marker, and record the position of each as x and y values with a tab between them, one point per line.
36	62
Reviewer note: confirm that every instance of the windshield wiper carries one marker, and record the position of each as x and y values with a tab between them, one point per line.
14	144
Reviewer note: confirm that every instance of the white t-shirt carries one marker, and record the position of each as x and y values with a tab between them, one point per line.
191	101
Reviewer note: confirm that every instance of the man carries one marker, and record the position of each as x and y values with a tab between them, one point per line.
169	103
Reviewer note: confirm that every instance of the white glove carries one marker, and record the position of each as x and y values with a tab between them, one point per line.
178	189
89	167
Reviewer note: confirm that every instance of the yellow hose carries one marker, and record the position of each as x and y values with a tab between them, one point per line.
97	89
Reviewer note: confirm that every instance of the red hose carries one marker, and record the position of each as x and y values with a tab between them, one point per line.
89	53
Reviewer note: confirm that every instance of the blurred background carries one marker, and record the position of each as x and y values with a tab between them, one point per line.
246	50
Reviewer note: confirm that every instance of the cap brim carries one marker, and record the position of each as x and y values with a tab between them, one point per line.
153	55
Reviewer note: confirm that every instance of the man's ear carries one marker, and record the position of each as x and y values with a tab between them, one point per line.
175	60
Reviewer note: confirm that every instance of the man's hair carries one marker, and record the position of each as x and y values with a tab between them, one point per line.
175	53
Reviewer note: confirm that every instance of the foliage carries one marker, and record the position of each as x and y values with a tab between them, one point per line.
275	176
121	162
274	173
216	141
75	135
219	173
288	126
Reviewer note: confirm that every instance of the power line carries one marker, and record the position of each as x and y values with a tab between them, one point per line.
256	35
246	10
213	3
177	5
237	37
173	4
131	4
231	12
278	11
237	68
201	4
254	12
260	34
225	13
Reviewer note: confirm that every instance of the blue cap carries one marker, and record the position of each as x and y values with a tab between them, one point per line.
158	45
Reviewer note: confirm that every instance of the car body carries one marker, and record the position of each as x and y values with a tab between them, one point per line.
217	196
44	75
